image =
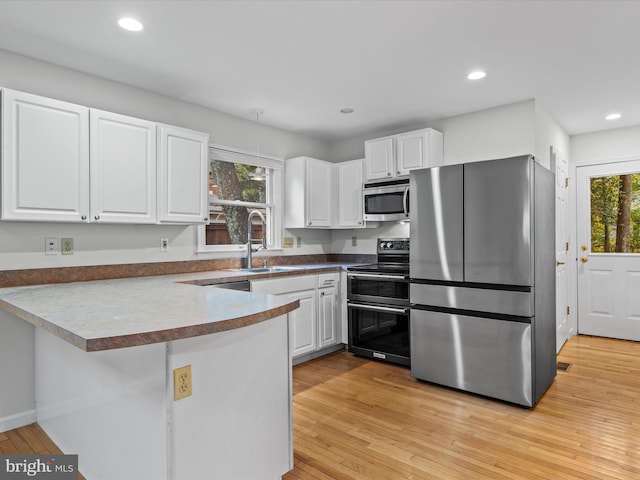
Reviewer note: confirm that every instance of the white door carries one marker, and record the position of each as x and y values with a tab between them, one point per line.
183	188
318	192
411	151
563	329
350	194
327	316
609	263
303	324
123	168
45	159
378	158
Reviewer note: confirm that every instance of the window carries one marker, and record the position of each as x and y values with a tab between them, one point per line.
615	214
239	183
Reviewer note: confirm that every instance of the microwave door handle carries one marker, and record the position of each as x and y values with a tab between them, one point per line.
377	308
405	202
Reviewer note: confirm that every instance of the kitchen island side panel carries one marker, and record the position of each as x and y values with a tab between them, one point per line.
108	407
237	425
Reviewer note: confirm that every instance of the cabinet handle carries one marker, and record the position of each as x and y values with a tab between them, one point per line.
206	219
83	217
388	174
309	223
398	172
97	217
359	223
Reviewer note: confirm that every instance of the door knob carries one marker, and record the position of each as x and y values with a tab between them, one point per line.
584	259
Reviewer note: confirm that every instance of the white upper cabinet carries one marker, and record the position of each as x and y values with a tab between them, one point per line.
123	168
45	159
349	185
379	158
63	162
308	193
397	155
183	175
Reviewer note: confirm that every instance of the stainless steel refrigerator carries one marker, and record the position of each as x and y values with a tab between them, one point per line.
482	268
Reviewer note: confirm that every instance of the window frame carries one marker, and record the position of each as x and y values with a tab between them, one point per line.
274	197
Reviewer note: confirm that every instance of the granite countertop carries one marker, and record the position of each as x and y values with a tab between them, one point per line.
109	314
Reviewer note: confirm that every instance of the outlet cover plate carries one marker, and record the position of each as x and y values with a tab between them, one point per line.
182	386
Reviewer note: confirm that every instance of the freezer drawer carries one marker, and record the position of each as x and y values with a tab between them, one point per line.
480	355
506	302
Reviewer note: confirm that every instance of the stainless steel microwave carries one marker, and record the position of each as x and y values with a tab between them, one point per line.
386	201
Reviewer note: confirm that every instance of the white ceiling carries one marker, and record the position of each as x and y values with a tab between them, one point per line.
397	63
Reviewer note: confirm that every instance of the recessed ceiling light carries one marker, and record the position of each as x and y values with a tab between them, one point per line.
130	24
613	116
477	75
347	110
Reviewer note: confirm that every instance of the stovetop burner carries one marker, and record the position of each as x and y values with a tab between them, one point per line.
393	257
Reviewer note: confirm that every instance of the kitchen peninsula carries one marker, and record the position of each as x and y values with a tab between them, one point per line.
115	407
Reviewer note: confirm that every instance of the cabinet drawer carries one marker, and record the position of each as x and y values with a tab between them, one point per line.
328	279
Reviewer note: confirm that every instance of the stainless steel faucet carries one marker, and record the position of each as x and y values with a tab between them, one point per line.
250	240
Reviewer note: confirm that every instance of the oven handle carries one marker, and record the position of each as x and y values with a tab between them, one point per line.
377	308
378	276
405	206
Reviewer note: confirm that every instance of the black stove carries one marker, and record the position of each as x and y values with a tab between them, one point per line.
393	257
378	304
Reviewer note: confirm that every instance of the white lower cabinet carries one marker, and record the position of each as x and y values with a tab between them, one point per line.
316	325
302	328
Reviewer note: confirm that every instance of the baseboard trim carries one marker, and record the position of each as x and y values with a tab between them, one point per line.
18	420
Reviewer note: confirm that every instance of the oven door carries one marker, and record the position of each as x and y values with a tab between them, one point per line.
379	331
382	288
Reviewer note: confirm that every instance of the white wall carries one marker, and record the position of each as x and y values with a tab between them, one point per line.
606	146
22	244
549	132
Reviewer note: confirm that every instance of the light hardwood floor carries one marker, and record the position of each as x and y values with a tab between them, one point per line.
359	419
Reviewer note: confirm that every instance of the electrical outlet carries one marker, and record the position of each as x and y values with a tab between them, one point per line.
287	242
164	244
51	246
354	241
66	245
182	382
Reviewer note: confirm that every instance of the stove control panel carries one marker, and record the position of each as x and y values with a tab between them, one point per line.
393	245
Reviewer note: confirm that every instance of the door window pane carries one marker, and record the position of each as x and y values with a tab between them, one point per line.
615	214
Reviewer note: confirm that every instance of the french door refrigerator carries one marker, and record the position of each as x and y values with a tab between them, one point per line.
482	268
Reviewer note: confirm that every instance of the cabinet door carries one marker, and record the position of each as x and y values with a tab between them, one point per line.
411	151
123	168
318	193
45	159
350	194
327	316
379	158
303	324
183	188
